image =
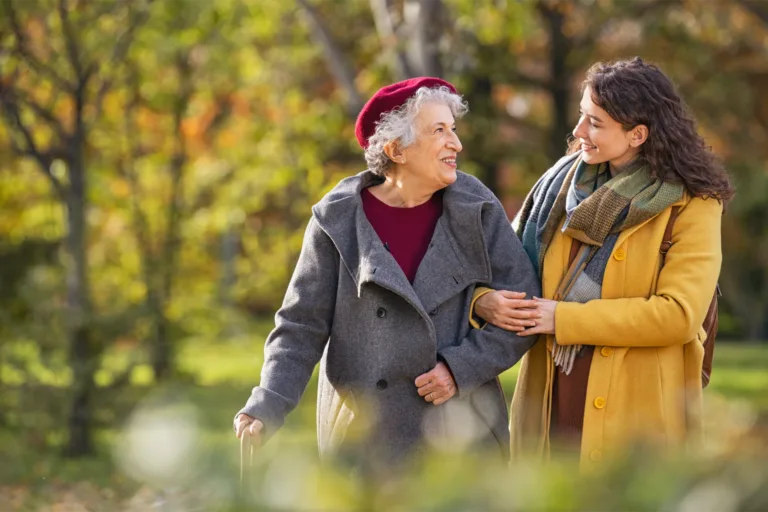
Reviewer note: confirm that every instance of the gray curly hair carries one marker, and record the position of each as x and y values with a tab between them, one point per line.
398	124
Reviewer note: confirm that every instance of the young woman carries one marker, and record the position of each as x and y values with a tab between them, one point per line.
620	355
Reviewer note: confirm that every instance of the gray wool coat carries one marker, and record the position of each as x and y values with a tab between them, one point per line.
350	307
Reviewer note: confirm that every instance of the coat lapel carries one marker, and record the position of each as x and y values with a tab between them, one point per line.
457	255
440	275
378	266
340	214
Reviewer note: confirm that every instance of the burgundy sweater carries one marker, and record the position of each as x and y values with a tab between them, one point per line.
405	232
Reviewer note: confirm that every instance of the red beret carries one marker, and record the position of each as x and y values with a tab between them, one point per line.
389	98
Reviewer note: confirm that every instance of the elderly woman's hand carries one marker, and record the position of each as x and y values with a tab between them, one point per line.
437	385
252	426
546	323
508	310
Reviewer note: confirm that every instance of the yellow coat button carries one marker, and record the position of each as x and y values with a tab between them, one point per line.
599	402
620	254
606	351
595	455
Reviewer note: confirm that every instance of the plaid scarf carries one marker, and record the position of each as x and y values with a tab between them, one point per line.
596	208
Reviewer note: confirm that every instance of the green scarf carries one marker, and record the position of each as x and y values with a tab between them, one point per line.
596	207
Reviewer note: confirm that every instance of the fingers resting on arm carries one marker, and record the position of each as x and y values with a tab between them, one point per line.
437	385
508	310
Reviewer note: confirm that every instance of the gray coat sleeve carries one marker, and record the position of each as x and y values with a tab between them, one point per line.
302	327
485	353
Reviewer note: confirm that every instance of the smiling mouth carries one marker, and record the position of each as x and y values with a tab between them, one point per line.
587	147
449	161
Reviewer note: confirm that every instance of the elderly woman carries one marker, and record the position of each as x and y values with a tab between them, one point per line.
621	356
387	271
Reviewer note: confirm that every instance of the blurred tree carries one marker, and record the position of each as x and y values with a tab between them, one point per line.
517	63
55	76
728	90
192	102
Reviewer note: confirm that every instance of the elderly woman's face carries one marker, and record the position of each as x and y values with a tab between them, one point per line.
432	156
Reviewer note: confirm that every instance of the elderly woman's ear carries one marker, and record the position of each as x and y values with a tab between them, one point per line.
395	152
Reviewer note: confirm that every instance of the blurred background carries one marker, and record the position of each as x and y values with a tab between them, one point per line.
158	162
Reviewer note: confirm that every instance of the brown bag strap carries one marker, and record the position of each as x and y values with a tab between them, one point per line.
666	242
710	321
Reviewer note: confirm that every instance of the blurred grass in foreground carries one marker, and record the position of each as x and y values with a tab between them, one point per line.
175	450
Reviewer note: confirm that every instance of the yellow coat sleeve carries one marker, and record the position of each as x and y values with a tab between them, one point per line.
476	322
683	293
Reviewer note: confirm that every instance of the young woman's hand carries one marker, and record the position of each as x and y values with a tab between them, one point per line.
546	323
508	310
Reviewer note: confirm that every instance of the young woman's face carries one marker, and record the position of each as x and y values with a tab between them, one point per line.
602	138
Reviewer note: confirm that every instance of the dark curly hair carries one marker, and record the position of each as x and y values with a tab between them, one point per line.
634	92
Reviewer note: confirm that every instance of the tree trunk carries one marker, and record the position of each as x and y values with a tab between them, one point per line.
160	350
427	20
389	40
230	244
341	69
3	392
80	441
757	330
764	333
83	352
162	358
486	156
560	78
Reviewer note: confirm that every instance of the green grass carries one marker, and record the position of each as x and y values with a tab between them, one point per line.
741	371
217	377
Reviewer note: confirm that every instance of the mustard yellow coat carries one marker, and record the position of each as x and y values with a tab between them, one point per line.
645	378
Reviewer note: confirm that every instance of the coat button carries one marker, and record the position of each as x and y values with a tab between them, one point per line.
606	351
381	384
620	254
599	402
433	312
381	312
595	455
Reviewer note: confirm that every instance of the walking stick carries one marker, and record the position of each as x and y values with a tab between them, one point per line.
246	457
